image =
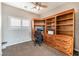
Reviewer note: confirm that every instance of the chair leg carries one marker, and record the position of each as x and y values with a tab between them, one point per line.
39	44
34	43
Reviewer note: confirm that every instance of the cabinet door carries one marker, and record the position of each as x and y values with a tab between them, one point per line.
64	44
50	39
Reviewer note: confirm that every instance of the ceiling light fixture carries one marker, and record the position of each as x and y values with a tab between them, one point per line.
38	5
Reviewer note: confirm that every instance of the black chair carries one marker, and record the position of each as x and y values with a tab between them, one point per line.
38	37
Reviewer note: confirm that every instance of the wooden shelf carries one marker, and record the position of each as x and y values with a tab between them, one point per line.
64	31
51	25
50	22
39	24
64	24
65	19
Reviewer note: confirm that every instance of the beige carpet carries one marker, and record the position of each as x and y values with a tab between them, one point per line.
28	49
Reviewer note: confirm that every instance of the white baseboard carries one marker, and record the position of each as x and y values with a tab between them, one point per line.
77	50
14	44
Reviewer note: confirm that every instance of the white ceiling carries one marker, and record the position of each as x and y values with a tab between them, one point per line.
29	5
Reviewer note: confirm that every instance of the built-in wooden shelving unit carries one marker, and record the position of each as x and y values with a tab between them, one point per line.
63	26
65	23
37	22
50	25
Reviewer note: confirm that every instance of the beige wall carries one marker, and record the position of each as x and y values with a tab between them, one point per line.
0	31
60	8
15	36
63	7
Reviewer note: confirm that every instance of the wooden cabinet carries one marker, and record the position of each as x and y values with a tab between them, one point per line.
63	26
50	40
65	23
63	38
38	23
51	25
64	44
61	42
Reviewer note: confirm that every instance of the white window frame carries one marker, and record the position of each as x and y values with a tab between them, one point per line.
21	23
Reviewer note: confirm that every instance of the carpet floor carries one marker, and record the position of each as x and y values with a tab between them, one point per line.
28	49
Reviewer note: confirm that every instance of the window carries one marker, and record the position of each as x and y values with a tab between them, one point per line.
18	22
25	22
15	21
